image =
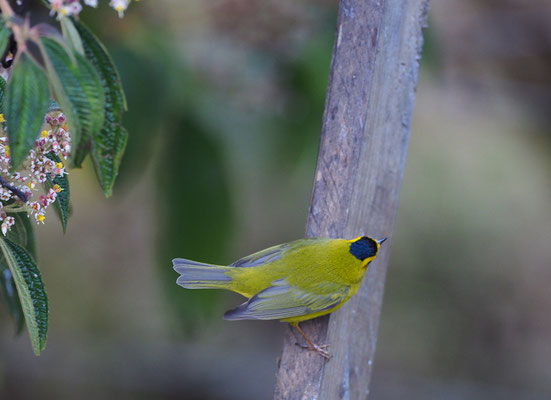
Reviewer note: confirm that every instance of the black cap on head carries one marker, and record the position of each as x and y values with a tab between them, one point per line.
363	248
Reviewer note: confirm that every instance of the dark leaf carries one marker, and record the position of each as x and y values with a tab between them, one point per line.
32	295
78	88
61	204
5	33
107	146
21	233
8	293
3	86
107	150
27	100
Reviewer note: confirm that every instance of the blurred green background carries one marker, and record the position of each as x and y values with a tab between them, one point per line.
225	105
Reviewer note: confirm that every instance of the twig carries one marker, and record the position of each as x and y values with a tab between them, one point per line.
14	190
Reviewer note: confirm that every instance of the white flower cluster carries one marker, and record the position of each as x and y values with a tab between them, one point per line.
19	191
65	8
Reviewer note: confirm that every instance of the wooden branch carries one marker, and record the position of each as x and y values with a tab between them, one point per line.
357	183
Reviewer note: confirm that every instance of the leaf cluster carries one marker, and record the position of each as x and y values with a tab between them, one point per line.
67	70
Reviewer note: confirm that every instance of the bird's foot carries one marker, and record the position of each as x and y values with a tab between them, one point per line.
320	349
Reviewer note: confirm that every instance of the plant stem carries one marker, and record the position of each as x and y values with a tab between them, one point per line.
6	8
19	29
14	190
21	209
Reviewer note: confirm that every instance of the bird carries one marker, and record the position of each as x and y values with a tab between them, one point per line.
290	282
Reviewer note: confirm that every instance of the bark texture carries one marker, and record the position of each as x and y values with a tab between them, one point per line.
364	140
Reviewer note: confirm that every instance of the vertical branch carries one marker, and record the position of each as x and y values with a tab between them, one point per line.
357	183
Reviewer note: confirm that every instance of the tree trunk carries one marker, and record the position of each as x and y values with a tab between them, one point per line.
359	172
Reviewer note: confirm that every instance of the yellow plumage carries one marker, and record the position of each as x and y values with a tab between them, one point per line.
291	282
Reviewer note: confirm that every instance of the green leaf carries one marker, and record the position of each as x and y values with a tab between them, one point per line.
8	293
21	233
78	89
71	35
97	54
5	33
27	101
61	204
106	147
62	99
32	295
3	86
107	151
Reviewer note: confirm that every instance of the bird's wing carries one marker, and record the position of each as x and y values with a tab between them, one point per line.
262	257
282	300
272	253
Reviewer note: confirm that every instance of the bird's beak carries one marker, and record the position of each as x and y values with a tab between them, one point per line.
380	241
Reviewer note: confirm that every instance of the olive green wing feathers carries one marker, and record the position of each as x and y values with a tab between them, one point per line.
262	257
272	253
282	300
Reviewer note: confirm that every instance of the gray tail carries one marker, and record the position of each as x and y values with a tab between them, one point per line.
196	275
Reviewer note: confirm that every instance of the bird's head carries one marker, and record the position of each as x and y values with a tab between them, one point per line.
365	248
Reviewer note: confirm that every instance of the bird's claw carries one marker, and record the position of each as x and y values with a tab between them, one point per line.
320	349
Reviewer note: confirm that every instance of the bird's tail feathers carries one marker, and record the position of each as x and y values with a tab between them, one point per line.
196	275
